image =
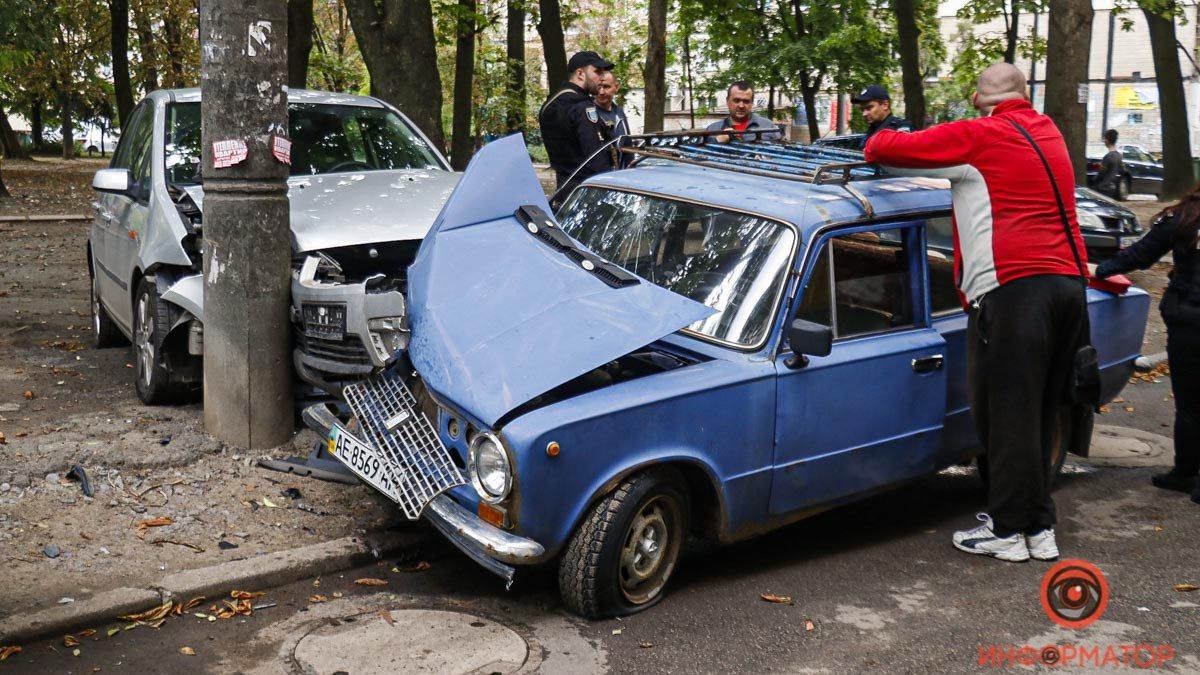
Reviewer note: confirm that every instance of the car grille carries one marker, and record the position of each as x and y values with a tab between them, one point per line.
349	350
421	466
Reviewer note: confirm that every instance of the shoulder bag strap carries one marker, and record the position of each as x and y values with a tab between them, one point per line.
1062	209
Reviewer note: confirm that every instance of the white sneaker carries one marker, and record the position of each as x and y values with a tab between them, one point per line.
1042	545
982	541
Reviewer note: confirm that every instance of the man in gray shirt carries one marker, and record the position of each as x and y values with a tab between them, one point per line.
1112	167
740	101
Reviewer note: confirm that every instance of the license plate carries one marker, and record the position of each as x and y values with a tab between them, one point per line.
1128	241
363	460
325	321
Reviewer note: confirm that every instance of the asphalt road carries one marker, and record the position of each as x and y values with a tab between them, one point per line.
878	579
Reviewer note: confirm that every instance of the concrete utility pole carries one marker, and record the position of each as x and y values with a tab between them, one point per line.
247	364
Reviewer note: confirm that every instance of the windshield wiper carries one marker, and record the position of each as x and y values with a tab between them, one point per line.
537	223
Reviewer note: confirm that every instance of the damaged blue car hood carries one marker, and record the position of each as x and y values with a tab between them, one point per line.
505	307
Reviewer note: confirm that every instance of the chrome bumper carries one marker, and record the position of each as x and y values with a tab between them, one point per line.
490	546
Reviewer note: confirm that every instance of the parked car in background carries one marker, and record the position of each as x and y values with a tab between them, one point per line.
1143	173
718	341
365	186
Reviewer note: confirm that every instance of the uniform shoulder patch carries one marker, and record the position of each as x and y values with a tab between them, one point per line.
592	115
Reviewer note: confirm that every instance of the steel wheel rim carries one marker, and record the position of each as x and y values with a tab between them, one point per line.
650	548
144	340
96	307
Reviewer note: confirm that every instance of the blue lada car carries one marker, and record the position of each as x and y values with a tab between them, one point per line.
719	341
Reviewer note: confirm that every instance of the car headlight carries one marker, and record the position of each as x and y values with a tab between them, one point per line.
388	335
1089	221
487	462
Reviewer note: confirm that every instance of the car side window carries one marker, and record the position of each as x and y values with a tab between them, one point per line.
939	254
139	152
861	284
120	158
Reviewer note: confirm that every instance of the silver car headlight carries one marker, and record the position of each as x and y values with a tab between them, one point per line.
388	336
1089	221
487	463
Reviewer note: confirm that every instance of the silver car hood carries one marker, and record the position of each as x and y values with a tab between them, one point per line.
344	209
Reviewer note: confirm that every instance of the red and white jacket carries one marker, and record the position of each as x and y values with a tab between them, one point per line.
1006	220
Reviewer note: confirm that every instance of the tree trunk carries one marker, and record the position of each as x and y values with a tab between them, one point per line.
398	47
9	144
122	88
1012	33
68	128
300	41
146	47
173	36
1068	43
550	28
1177	154
516	66
35	124
461	143
655	72
808	91
910	61
3	189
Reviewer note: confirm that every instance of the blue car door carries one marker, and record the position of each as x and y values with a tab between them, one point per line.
871	412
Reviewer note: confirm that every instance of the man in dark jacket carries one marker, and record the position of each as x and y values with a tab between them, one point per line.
562	118
877	111
601	123
740	100
1020	268
1112	167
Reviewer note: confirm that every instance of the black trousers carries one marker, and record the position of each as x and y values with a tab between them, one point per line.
1183	352
1021	340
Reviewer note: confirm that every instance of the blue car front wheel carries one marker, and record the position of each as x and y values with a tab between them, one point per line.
627	547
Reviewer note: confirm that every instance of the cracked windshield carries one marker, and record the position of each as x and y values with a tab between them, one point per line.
325	139
731	262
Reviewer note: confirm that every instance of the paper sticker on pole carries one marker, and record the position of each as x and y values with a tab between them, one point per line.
281	148
228	153
259	39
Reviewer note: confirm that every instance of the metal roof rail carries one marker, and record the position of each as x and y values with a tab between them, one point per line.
767	158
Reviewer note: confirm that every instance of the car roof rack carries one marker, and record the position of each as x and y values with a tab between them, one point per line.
750	155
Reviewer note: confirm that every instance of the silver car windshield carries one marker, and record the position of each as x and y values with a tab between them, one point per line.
326	138
732	262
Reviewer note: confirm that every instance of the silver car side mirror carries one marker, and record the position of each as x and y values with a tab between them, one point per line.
113	181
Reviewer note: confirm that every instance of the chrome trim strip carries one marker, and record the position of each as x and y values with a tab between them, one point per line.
116	279
496	543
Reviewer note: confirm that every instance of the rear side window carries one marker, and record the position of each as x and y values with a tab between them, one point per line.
939	252
861	284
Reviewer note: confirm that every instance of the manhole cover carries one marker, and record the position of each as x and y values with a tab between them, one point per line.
1125	447
417	641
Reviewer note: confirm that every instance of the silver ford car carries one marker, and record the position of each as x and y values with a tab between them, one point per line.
364	188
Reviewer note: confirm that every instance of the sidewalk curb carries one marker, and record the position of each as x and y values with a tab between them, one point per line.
270	570
1147	363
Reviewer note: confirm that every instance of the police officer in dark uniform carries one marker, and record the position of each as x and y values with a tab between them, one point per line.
877	111
562	117
1176	230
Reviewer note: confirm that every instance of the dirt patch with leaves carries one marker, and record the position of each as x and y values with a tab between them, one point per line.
48	186
162	496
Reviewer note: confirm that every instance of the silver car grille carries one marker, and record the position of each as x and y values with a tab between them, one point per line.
420	465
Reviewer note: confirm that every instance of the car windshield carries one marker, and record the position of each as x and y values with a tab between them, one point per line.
732	262
326	138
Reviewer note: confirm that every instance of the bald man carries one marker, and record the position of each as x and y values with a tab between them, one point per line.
1020	274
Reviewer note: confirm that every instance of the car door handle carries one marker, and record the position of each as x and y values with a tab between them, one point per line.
927	364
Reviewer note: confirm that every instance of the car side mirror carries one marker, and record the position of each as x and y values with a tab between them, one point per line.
808	339
112	181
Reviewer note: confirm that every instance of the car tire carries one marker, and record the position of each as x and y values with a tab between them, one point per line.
104	330
627	548
1061	440
151	320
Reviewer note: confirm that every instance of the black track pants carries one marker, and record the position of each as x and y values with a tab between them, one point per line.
1021	342
1183	352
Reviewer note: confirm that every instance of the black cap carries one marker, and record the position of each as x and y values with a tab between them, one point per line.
584	59
874	92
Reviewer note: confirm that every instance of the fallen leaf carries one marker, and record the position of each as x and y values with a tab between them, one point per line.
149	615
187	651
113	631
75	652
3	439
246	595
70	641
1128	408
387	616
144	525
337	594
317	598
618	631
808	624
645	645
1158	528
415	567
8	651
29	395
269	504
192	603
1186	588
200	615
371	582
131	626
777	599
87	632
